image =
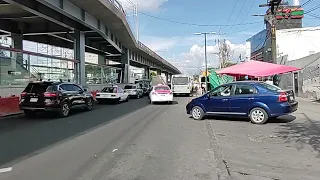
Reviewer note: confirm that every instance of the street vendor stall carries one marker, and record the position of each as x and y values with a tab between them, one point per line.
257	69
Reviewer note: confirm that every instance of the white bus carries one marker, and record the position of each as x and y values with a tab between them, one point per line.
181	84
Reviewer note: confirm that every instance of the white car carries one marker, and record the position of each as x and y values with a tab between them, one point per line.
161	93
112	93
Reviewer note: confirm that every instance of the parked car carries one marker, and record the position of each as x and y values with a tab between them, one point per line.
257	100
54	96
133	90
112	93
161	93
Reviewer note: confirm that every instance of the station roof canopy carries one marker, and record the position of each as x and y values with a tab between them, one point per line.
257	69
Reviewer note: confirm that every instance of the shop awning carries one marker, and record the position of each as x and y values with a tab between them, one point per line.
257	69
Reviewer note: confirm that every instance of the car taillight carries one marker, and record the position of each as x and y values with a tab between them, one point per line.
49	94
23	94
283	97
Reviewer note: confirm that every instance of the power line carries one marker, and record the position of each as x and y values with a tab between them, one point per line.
238	14
193	24
307	2
312	9
234	7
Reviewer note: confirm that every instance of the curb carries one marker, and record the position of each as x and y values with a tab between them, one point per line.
10	115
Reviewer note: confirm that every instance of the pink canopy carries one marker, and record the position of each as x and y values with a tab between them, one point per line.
256	69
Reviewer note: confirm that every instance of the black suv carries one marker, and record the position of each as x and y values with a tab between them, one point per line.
54	96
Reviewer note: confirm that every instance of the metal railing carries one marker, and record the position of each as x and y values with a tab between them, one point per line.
118	5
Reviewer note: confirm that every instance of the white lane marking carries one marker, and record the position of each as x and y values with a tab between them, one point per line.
115	150
3	170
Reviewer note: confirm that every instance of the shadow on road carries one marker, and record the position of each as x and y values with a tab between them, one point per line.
21	137
280	120
166	103
302	133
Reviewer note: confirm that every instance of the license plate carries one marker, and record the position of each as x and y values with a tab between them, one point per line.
162	95
33	99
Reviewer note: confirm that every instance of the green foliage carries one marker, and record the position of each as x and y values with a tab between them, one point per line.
153	74
228	64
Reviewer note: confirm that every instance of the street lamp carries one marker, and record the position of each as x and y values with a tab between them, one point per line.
205	54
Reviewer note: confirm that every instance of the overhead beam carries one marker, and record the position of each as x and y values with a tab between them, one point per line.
47	13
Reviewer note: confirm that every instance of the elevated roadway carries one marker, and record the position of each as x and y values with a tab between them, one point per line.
96	26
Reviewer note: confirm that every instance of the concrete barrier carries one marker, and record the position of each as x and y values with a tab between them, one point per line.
9	106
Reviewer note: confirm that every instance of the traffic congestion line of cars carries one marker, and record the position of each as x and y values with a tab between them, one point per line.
254	99
62	97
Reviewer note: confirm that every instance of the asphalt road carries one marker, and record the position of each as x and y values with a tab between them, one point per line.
138	141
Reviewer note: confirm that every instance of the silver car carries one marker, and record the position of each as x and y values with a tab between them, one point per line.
133	90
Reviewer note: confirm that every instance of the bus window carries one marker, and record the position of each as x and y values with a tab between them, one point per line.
180	80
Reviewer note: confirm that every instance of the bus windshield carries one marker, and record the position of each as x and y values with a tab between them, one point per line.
180	80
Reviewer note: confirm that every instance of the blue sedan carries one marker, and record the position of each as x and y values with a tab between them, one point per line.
257	100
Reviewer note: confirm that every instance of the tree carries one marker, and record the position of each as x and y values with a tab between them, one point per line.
153	74
196	76
228	64
225	53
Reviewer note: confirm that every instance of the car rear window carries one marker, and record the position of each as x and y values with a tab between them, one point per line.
270	87
129	87
161	88
38	87
109	90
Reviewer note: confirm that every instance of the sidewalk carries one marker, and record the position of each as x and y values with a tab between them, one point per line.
310	108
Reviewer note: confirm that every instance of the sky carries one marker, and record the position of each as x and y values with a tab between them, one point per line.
168	27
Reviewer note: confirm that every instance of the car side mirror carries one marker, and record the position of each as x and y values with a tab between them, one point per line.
208	96
85	90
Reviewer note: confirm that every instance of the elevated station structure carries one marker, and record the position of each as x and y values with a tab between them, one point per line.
94	26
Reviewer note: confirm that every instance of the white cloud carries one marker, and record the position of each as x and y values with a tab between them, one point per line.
161	44
193	61
143	5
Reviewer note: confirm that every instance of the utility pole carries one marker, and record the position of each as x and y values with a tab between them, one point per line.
135	13
205	55
270	18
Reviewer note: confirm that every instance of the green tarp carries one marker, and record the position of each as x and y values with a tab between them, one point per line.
216	80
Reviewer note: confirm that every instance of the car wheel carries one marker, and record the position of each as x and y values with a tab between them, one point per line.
89	105
258	116
29	113
64	110
197	113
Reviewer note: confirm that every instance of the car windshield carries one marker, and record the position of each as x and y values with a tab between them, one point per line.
109	90
180	80
270	87
130	87
161	88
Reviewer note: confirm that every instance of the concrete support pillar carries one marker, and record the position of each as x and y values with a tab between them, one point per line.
147	72
17	43
167	77
126	64
79	54
101	59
